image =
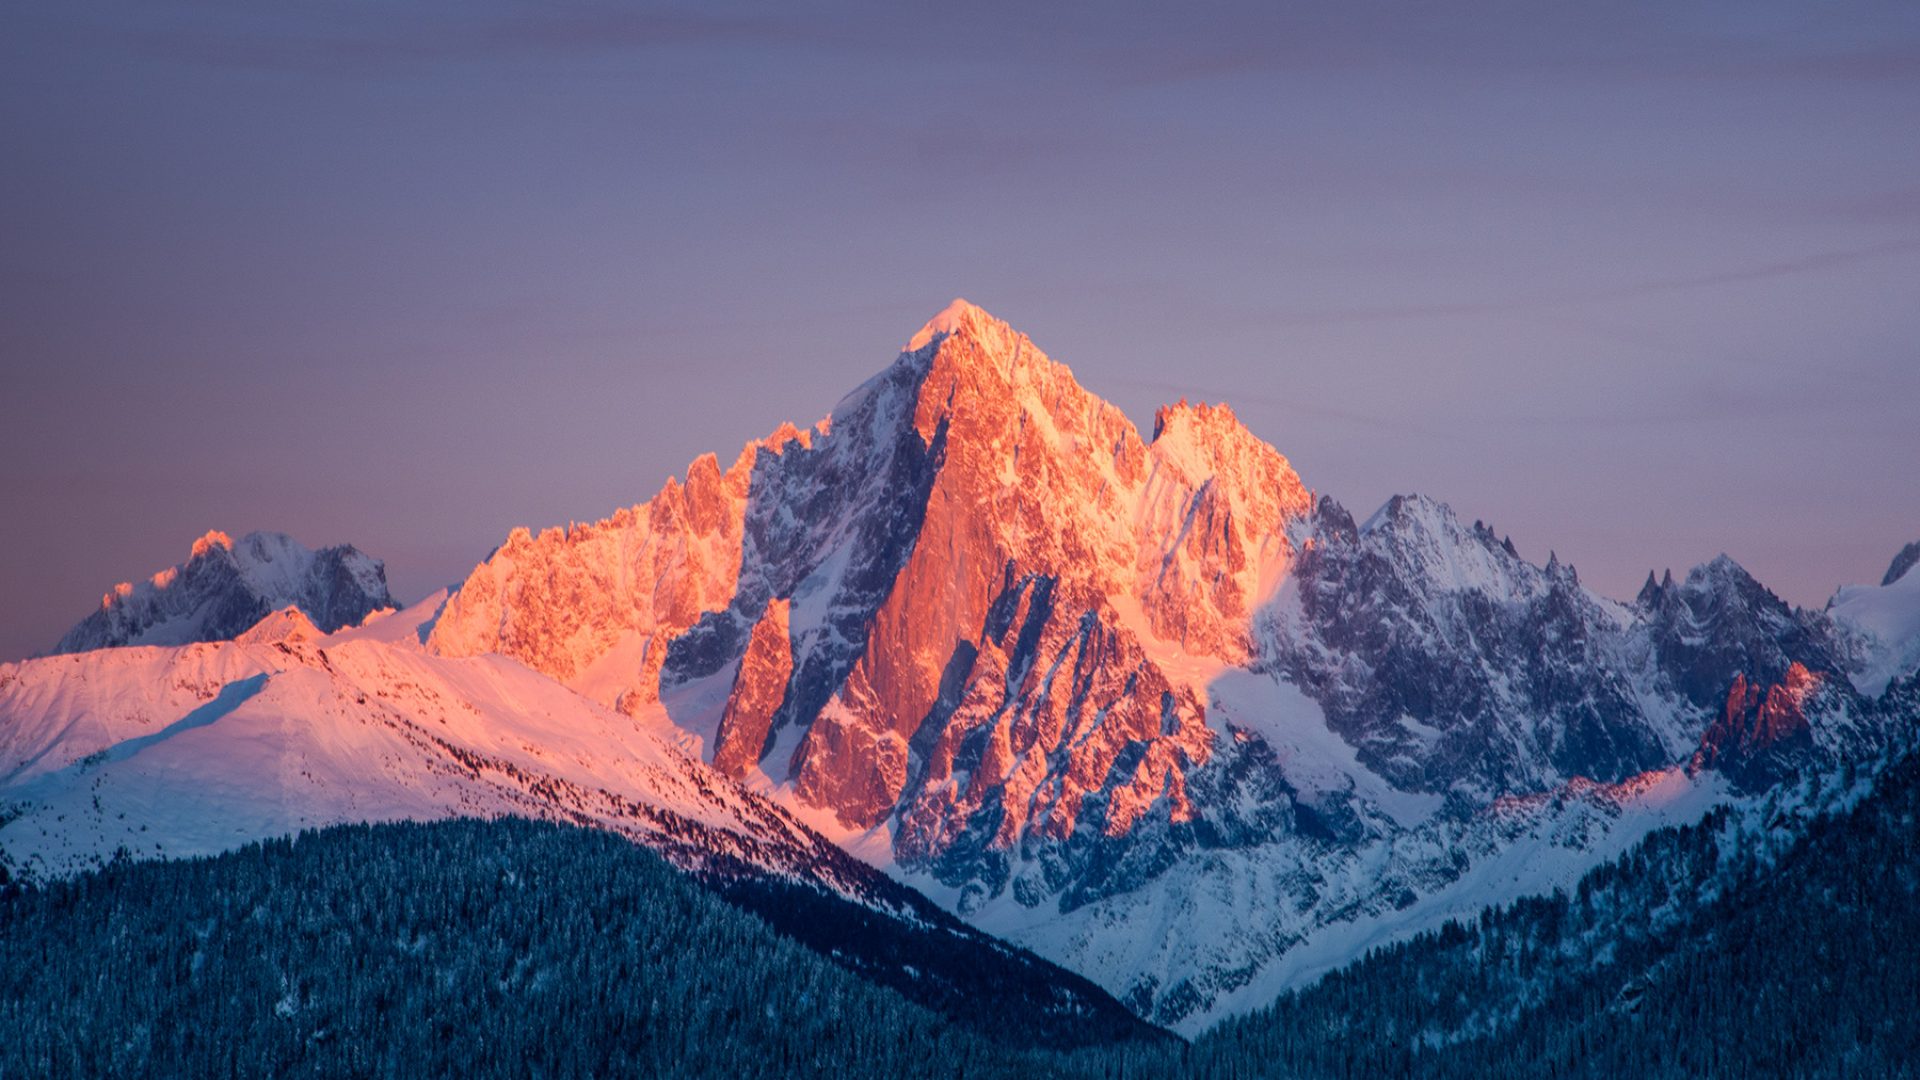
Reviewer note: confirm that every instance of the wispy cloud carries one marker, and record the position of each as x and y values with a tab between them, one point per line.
1801	264
397	42
1492	40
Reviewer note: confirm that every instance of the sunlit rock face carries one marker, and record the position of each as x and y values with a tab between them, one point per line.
226	586
566	599
1046	504
1768	735
976	566
1763	728
759	687
1144	704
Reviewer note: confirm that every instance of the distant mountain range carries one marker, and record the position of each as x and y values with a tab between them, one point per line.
226	587
976	655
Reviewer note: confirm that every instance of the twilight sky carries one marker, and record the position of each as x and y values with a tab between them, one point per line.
1636	282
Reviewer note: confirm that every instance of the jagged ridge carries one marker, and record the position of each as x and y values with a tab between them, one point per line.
225	587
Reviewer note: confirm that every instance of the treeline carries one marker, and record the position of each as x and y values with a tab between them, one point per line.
459	948
1694	955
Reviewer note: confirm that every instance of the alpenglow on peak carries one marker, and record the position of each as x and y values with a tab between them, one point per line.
952	319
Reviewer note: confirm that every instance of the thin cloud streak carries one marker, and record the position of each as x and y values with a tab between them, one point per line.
1805	264
474	40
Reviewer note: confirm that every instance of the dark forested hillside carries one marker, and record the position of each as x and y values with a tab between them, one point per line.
462	948
1695	955
512	948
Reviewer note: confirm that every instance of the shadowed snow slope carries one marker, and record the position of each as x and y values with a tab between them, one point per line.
1885	621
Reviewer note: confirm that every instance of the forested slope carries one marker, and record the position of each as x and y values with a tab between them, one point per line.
460	948
1700	953
514	948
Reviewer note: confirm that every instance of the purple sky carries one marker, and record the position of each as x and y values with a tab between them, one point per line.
1640	283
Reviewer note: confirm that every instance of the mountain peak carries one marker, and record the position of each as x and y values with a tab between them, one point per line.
960	316
1201	414
213	538
226	586
287	624
1902	563
1413	510
1722	570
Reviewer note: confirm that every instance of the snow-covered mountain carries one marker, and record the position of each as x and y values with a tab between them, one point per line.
187	750
1882	623
1147	705
227	586
173	752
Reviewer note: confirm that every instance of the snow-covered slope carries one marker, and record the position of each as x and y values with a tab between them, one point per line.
194	749
226	586
152	752
1885	622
